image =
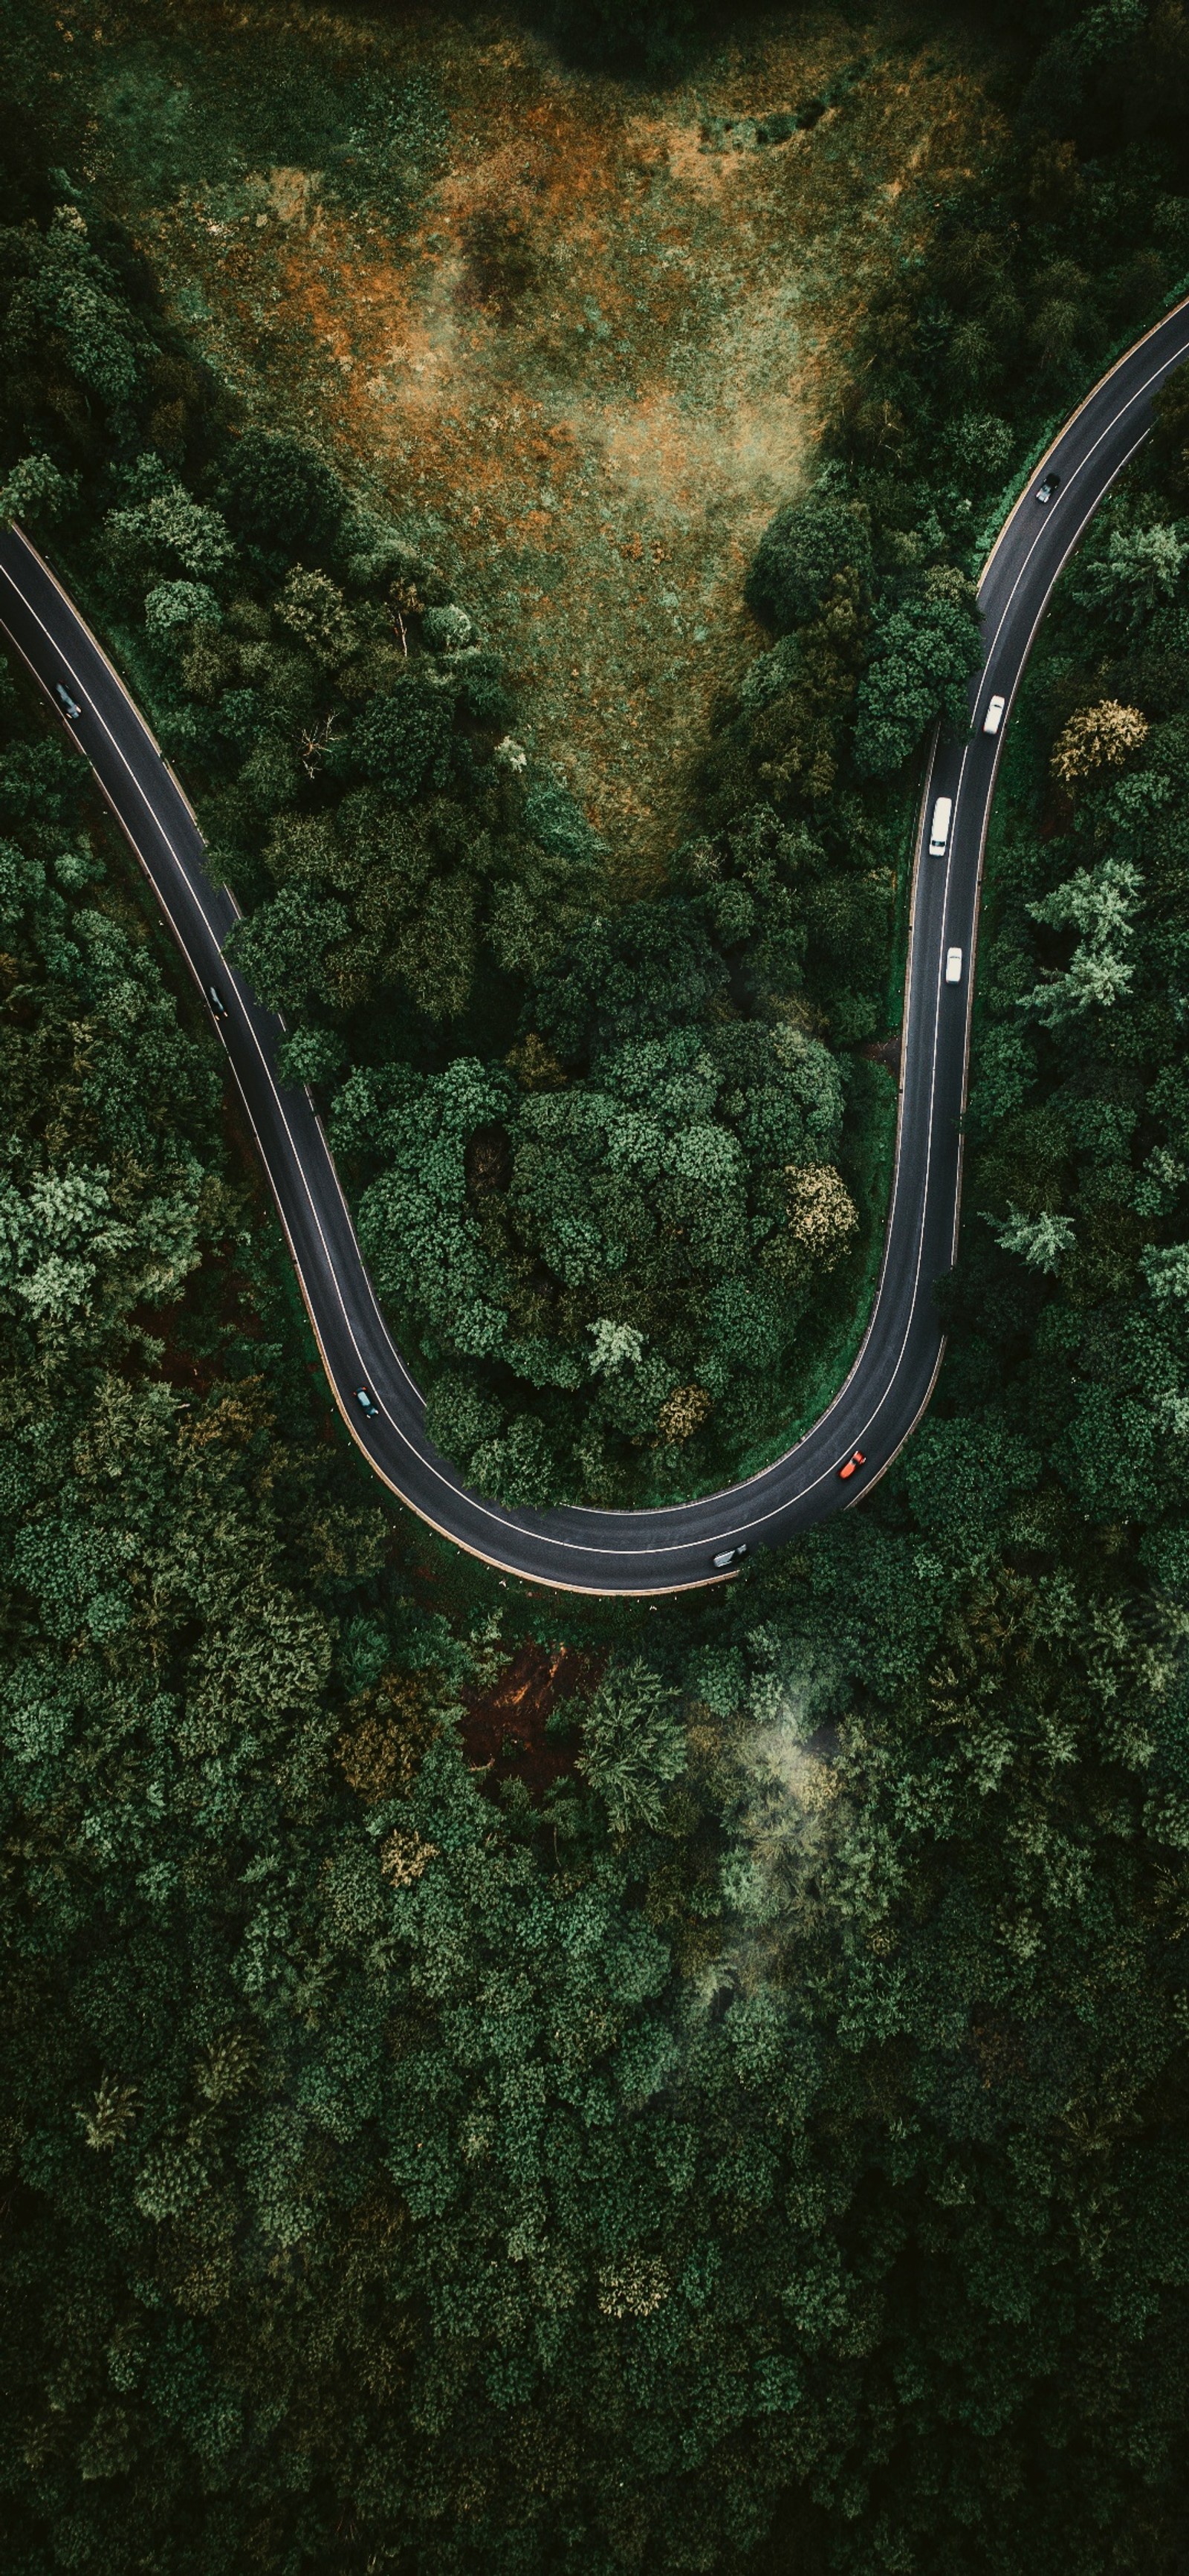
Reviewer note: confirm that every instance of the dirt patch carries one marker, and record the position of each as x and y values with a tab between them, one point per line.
594	355
885	1051
504	1729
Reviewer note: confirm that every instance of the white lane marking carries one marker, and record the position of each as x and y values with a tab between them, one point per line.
1165	368
498	1519
1175	312
750	1527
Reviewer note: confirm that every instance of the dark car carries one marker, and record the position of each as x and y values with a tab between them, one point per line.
1045	490
217	1003
367	1404
69	706
849	1465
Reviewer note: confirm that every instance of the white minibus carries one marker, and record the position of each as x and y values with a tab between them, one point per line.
941	827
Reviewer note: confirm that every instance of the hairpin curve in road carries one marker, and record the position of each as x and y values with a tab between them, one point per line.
671	1548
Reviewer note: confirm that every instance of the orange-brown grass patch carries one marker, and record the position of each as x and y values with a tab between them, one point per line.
504	1728
601	355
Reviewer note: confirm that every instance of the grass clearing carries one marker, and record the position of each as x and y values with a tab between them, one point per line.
578	336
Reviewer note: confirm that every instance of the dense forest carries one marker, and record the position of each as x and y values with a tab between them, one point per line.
493	2083
618	1166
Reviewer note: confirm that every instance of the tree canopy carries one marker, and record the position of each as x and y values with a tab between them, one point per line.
502	2083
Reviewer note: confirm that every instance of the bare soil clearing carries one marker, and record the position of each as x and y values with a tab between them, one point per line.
584	348
505	1728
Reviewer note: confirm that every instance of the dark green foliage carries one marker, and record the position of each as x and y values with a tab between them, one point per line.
713	2142
624	34
1125	64
64	301
1077	1077
644	1240
554	819
281	500
400	741
459	1419
282	947
633	1744
755	2137
650	967
923	655
803	549
414	889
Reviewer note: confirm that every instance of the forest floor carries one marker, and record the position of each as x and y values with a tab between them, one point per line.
578	338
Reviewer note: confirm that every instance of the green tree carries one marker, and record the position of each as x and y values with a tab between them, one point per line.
1040	1240
633	1745
282	947
66	310
38	493
1100	904
402	741
312	1055
1140	568
802	550
923	655
279	497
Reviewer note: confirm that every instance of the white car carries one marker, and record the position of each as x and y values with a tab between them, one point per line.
994	715
940	829
953	965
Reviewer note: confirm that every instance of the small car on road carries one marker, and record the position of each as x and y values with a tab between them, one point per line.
729	1556
367	1404
217	1003
953	965
849	1465
994	715
69	706
1045	490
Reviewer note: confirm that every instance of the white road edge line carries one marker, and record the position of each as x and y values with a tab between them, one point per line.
501	1520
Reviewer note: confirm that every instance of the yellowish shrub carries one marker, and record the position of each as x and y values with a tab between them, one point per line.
1100	737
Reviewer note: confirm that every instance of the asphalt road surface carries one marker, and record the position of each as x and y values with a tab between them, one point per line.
892	1379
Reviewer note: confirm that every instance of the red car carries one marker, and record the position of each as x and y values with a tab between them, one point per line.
856	1459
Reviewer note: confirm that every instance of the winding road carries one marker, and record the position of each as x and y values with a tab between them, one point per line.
893	1376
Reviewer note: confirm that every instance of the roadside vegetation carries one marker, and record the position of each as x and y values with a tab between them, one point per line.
498	2083
515	301
576	332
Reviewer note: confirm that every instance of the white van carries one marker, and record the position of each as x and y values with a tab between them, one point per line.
953	965
941	827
